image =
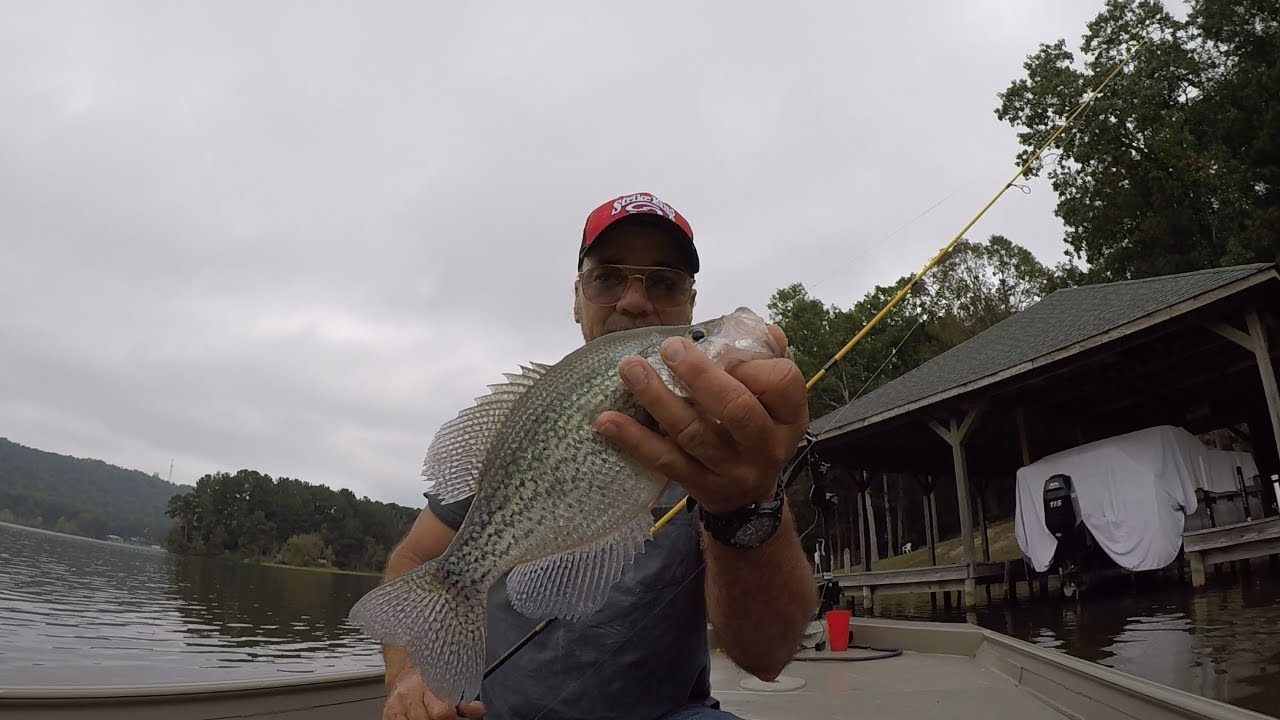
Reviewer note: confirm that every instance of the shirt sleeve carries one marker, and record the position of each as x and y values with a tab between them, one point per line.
451	514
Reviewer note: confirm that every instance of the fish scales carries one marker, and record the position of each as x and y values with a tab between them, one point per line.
557	510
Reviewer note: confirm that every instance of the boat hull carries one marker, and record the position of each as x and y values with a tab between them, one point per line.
947	669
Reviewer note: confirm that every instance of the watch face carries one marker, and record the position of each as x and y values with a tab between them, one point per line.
755	531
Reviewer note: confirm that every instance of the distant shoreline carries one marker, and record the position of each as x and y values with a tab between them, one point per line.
77	536
319	569
161	549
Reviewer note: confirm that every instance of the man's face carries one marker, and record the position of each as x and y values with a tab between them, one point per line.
637	245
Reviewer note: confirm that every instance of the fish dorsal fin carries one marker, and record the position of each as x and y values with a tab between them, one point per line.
457	451
574	584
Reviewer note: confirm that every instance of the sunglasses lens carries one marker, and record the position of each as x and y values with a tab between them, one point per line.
606	284
666	288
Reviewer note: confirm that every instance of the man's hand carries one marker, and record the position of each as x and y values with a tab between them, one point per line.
410	699
728	446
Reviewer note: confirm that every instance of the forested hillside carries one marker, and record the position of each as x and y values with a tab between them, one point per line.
82	496
249	515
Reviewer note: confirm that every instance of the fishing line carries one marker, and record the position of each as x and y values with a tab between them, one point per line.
822	372
883	240
834	424
1089	98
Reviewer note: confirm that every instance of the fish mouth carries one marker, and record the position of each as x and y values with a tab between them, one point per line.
739	335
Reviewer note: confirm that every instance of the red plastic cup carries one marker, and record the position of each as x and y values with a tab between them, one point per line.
838	630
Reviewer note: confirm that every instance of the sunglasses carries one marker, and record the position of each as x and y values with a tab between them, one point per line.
606	284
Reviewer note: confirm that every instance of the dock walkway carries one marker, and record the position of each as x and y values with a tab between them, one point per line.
1238	541
937	578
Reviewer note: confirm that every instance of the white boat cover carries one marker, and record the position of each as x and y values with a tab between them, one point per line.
1221	469
1134	490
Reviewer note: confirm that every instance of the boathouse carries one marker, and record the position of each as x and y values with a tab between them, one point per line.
1195	351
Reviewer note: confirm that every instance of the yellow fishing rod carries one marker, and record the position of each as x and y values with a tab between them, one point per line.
883	312
941	253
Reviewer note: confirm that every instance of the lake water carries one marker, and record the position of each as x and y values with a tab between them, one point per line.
75	611
1223	643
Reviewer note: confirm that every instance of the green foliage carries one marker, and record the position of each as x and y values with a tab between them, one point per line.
975	286
81	496
1176	166
307	550
249	515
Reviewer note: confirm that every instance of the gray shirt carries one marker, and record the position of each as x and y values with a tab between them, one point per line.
639	657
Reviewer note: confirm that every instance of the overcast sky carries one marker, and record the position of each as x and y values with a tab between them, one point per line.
298	236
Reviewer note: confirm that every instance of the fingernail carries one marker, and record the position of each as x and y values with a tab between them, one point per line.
633	375
607	429
673	350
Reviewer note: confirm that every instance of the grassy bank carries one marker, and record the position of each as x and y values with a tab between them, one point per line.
1003	547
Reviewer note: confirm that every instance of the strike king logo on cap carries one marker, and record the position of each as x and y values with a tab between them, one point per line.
643	203
626	205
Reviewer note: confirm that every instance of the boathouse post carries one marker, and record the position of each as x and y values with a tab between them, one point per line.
1255	340
930	516
1262	351
979	484
956	434
1023	445
860	483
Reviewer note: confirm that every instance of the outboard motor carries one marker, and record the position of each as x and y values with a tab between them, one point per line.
1062	520
1061	508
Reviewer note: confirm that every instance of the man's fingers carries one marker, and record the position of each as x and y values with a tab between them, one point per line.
679	419
721	395
779	387
473	710
779	338
672	412
436	709
647	447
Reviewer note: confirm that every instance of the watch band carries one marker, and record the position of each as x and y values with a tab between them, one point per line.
747	527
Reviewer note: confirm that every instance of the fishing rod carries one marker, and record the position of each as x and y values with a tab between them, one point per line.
810	439
945	249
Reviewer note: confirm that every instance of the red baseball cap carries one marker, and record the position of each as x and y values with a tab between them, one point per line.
641	206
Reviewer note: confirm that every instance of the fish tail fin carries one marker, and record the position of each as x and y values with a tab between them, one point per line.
441	625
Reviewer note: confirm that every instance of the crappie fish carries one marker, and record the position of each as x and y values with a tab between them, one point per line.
557	509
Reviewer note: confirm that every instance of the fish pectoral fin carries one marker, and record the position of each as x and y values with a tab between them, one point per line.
457	451
574	584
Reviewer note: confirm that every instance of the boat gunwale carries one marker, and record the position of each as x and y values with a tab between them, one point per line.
191	689
998	647
1051	677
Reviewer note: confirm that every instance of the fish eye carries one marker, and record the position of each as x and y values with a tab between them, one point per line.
697	334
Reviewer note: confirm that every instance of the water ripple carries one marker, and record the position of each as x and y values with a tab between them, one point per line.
79	611
1222	643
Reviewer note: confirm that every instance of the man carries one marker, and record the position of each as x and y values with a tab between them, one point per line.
644	655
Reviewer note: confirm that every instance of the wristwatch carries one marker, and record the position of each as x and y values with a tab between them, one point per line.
747	527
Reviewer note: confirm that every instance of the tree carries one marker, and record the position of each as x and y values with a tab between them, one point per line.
1176	166
979	284
249	515
975	286
307	550
813	332
82	496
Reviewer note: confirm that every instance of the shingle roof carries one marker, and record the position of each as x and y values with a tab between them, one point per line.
1065	317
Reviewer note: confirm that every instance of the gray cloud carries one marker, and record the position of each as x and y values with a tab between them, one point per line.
297	237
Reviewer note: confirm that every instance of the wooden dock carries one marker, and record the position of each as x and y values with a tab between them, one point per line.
938	578
1238	541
